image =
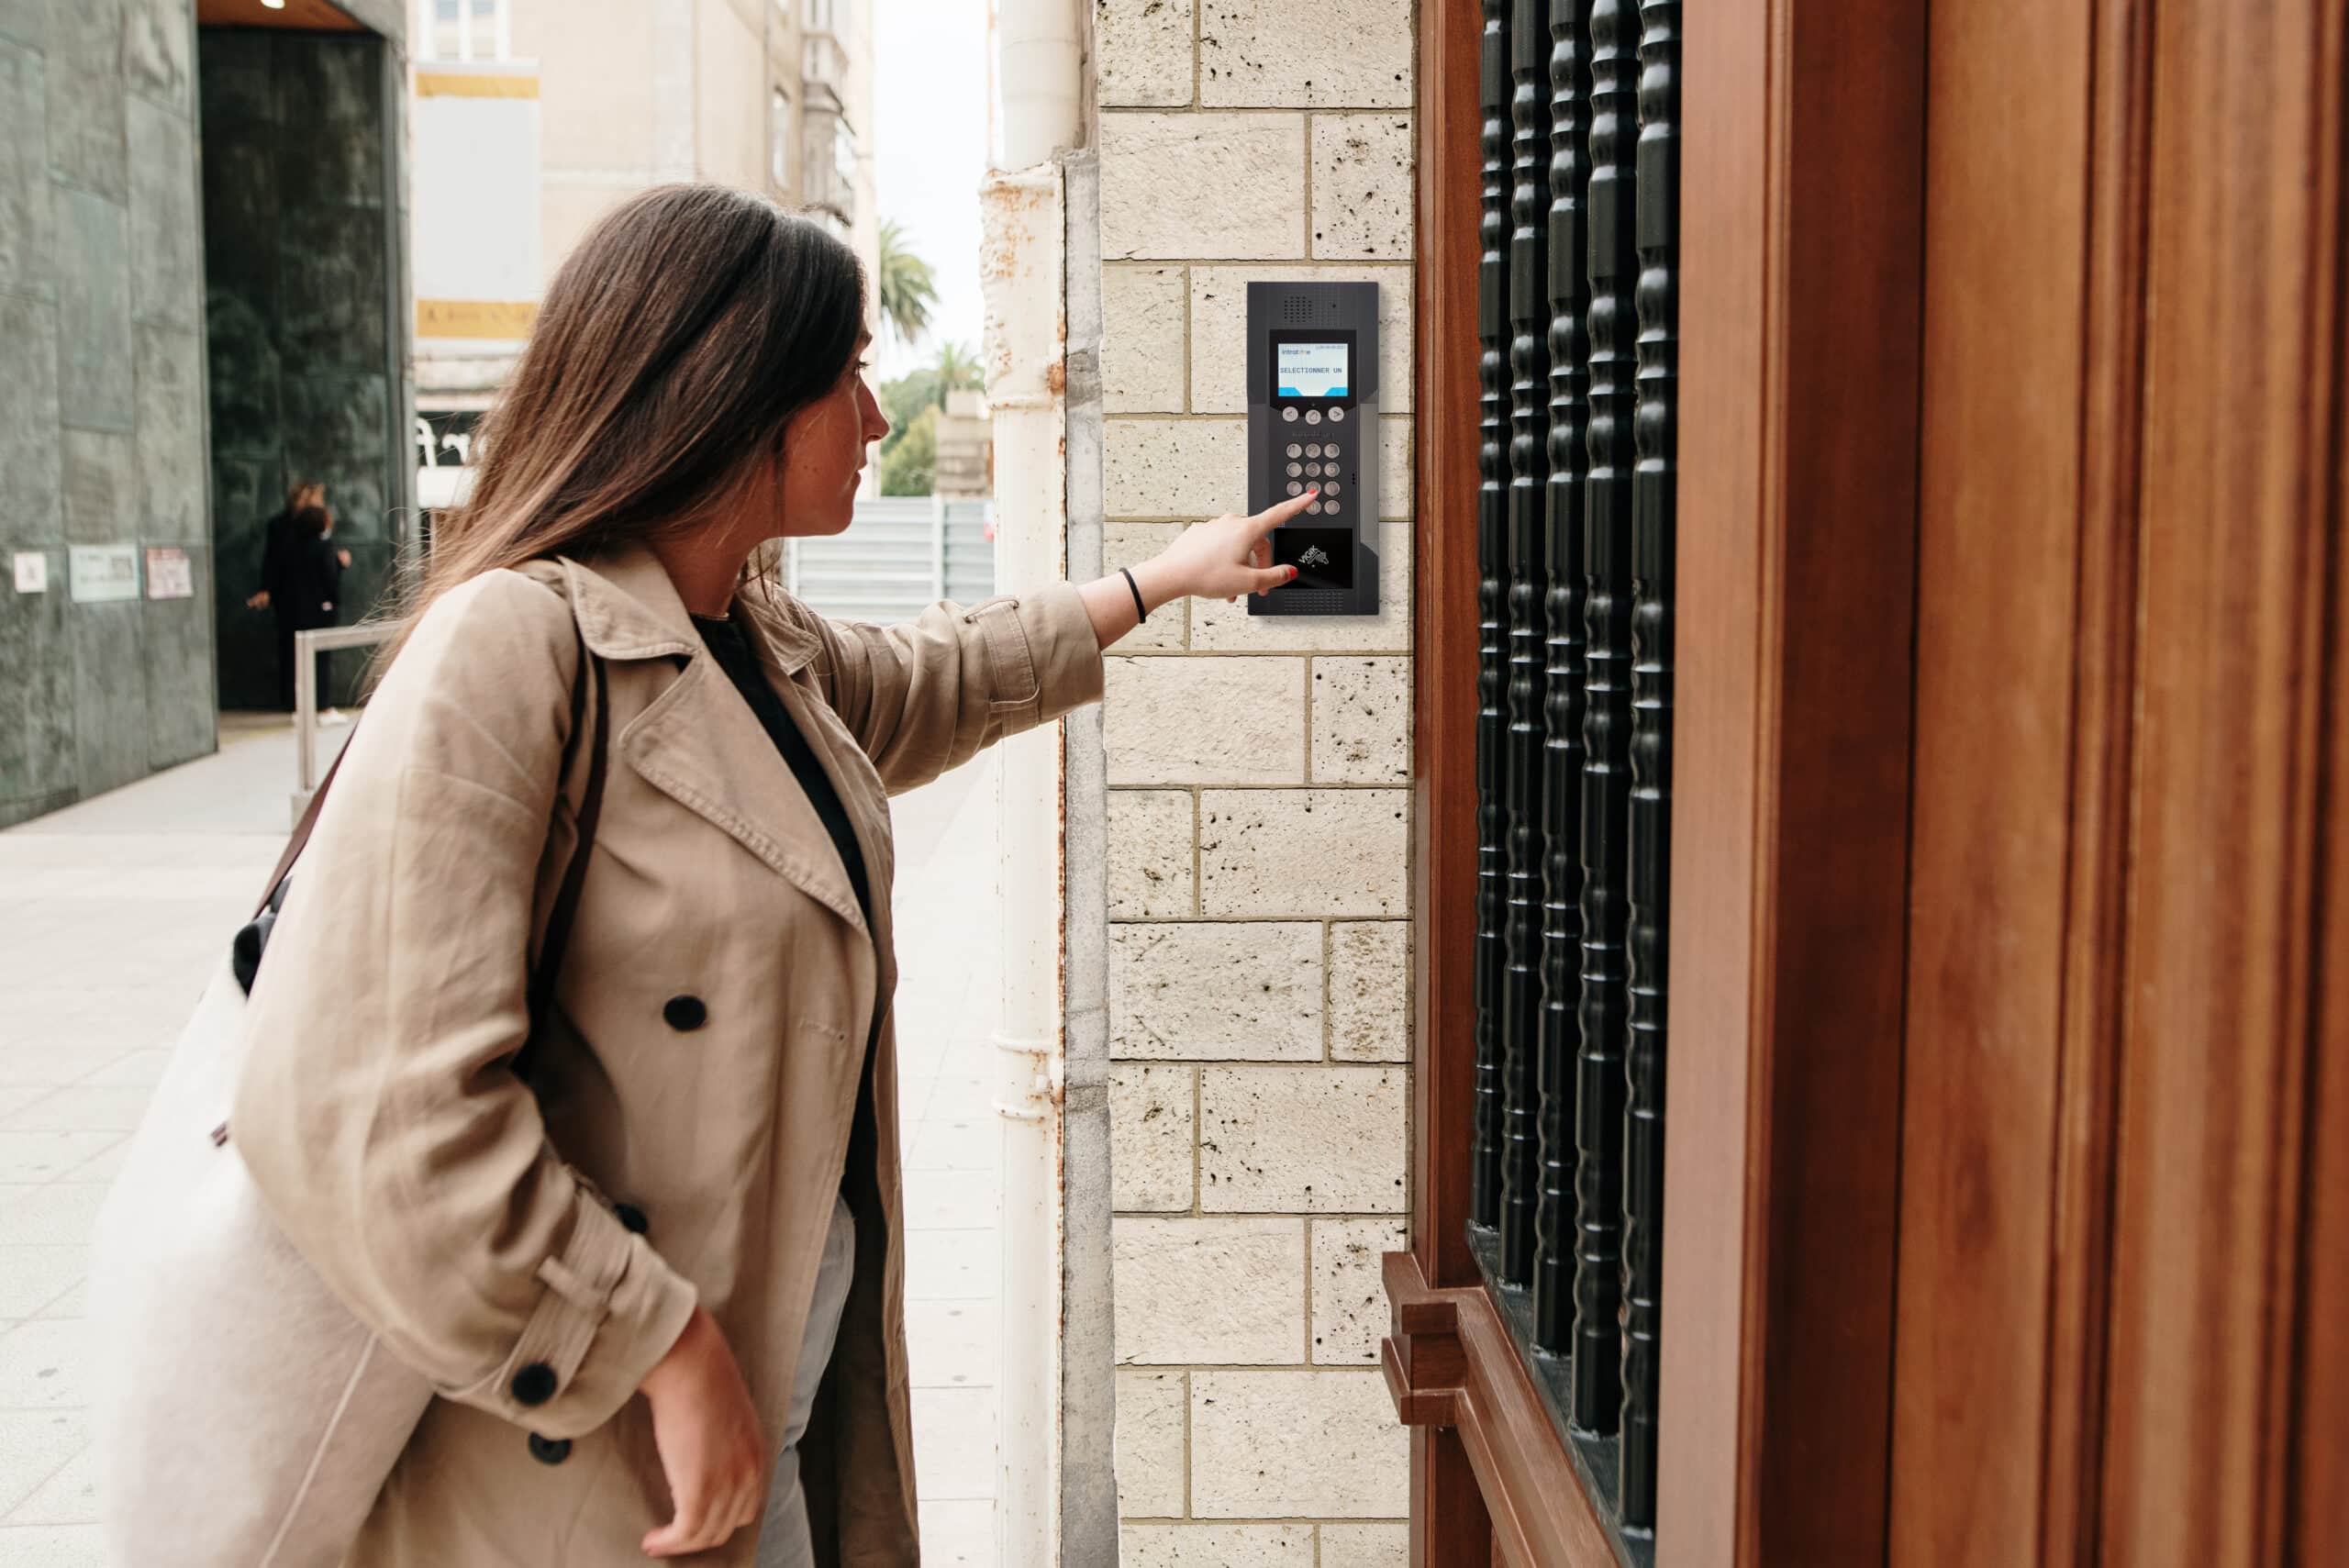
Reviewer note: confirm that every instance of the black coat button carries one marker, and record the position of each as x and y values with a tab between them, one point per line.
685	1013
534	1385
549	1450
631	1217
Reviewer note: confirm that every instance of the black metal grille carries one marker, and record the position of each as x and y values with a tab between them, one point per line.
1575	539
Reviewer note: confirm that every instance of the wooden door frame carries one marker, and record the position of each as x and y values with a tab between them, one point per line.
1802	191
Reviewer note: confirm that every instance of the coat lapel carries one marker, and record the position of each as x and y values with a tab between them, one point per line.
698	741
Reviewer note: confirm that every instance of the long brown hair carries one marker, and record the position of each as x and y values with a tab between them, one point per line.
678	339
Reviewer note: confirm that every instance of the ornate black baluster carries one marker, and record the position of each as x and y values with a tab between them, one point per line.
1529	476
1653	535
1492	294
1553	1268
1607	527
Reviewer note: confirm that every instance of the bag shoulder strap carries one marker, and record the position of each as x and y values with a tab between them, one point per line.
591	803
574	875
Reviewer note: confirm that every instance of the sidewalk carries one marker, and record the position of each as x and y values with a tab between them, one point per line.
114	913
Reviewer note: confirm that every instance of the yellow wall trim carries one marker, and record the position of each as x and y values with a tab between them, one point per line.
470	84
493	319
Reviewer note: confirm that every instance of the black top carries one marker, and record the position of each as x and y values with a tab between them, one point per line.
310	582
276	534
741	666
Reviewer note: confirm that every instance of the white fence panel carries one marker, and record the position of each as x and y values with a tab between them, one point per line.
900	555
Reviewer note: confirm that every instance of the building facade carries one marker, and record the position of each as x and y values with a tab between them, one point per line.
199	306
536	116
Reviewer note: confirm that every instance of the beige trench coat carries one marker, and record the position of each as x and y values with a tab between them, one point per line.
703	1071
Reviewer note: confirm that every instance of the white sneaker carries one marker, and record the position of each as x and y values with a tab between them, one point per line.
331	717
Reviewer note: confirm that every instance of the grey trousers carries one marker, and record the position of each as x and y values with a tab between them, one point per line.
783	1536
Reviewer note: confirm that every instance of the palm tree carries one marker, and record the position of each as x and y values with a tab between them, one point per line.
957	370
908	289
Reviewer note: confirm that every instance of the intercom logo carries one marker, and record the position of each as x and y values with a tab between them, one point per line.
1313	556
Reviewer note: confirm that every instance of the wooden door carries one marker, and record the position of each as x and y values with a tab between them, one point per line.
2007	1070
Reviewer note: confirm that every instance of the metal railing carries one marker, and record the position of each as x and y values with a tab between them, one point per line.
307	646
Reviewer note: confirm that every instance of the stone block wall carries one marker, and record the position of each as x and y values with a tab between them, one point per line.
1258	806
100	401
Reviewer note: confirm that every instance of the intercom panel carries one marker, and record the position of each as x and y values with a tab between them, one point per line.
1313	421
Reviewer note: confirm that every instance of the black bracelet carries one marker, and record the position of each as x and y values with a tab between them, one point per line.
1140	615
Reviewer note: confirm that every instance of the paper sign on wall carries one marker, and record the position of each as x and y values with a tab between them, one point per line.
168	575
32	572
102	572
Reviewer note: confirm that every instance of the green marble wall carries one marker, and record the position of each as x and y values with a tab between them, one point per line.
101	394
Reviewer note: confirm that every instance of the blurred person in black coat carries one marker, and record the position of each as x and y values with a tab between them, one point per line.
312	581
277	550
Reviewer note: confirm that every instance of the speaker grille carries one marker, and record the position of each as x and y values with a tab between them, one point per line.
1296	307
1326	601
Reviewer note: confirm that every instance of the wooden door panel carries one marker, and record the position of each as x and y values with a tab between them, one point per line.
1997	580
2242	382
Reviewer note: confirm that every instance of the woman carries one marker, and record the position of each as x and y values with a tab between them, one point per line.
624	1275
311	581
278	550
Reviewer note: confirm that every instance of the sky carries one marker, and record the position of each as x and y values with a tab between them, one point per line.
930	152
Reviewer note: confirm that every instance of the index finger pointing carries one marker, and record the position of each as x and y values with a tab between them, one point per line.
1273	516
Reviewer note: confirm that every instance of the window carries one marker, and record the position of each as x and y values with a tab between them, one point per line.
779	138
828	161
823	16
464	30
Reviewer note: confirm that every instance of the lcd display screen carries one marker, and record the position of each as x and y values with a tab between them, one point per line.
1311	370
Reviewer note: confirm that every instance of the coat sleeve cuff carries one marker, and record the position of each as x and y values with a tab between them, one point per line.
1044	658
611	1309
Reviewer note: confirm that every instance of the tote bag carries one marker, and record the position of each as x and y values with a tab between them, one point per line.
243	1418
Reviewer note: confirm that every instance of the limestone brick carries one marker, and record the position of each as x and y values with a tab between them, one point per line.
1309	1140
1218	990
1307	53
1204	721
1367	1545
1362	720
1370	991
1210	186
1223	1291
1150	1444
1296	1444
1348	1294
1143	339
1362	186
1150	841
1304	853
1216	1546
1185	469
1142	52
1151	1125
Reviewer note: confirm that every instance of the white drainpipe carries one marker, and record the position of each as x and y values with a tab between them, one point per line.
1021	266
1038	74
